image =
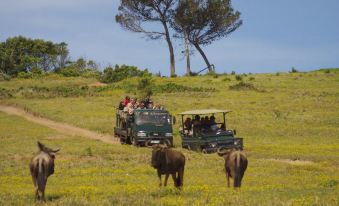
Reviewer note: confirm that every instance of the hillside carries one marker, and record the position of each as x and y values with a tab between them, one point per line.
289	122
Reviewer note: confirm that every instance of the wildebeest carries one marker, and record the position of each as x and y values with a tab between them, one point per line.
41	167
168	161
235	165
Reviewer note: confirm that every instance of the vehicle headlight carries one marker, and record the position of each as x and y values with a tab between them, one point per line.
213	144
141	134
168	134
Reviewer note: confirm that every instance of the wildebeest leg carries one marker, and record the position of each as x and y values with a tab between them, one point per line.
174	179
36	194
43	196
228	179
159	175
166	178
36	187
180	177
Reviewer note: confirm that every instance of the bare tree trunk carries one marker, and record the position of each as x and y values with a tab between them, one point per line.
210	69
187	52
170	47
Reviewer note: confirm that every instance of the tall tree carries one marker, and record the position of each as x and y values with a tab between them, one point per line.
205	21
134	14
20	54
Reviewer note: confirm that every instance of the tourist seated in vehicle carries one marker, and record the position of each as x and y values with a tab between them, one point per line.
131	106
141	105
205	122
187	125
121	105
158	106
150	105
196	125
213	124
127	100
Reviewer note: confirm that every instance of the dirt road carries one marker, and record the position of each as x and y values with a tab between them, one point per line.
62	128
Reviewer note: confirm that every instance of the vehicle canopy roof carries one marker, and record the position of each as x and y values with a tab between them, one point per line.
204	111
151	110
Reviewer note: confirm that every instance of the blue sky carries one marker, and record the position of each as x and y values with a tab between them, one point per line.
275	36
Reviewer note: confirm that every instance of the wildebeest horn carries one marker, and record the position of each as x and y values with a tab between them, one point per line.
167	143
221	152
41	146
147	144
56	150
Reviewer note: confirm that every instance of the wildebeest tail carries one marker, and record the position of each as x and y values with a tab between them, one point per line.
180	178
238	175
41	176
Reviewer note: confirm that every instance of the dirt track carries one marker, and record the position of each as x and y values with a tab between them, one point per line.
60	127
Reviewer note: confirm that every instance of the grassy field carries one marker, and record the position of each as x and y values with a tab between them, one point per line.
282	117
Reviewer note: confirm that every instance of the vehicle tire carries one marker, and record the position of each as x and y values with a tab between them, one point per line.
122	140
128	140
204	151
133	142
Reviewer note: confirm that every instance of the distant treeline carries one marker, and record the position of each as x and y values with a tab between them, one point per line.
31	58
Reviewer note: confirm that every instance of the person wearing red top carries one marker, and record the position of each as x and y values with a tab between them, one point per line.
126	101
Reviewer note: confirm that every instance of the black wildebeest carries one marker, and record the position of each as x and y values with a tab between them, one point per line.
235	165
41	167
168	161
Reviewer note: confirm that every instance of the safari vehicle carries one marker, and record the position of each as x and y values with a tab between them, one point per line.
153	126
210	138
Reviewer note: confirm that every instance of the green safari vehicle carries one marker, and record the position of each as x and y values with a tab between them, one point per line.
209	137
151	126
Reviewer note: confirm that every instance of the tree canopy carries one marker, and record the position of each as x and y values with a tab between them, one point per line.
205	21
20	54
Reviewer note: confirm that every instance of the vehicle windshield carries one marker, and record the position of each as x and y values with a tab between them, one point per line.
152	117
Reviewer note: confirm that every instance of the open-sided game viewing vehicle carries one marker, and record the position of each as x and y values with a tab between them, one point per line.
207	136
145	125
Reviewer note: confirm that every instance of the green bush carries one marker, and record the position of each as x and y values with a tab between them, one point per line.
90	73
243	86
144	87
70	71
25	75
4	77
122	72
294	70
238	77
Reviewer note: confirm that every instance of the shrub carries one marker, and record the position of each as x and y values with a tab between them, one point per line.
70	71
122	72
233	73
243	86
25	75
251	78
238	77
144	87
4	77
294	70
90	73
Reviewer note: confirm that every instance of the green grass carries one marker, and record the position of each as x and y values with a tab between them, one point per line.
289	116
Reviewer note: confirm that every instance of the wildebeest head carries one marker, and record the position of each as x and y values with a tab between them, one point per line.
157	154
47	150
222	151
